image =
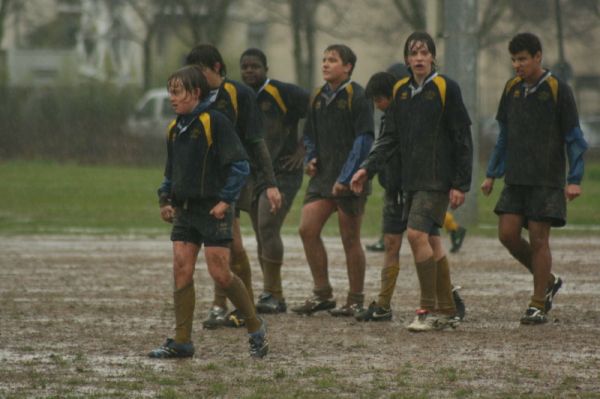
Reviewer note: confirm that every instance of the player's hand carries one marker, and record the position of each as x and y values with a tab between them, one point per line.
218	211
294	161
274	197
457	198
167	212
572	191
311	167
487	186
358	181
339	189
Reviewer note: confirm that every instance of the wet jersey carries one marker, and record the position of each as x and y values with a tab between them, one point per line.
335	121
431	128
536	119
282	106
199	155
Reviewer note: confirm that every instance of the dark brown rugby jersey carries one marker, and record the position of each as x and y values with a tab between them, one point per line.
536	121
432	128
199	156
238	102
333	124
282	106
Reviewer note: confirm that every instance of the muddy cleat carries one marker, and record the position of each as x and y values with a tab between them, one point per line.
259	345
461	309
376	246
347	310
425	321
267	303
216	318
457	237
235	319
374	313
534	316
172	350
314	304
551	292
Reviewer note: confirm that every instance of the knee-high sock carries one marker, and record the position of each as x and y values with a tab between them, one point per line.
185	302
445	301
389	275
450	223
427	273
238	295
272	277
242	269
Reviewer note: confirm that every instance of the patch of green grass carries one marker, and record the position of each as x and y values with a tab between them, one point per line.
48	197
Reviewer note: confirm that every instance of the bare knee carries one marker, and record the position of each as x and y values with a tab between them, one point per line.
509	239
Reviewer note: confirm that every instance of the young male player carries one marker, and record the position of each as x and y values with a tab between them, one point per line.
539	124
430	128
207	167
282	106
338	135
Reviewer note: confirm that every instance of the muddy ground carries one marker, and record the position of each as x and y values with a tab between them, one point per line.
78	314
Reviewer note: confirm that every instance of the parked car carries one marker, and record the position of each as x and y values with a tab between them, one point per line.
152	115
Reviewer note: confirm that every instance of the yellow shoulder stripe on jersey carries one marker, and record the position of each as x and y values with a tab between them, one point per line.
350	91
274	92
232	90
205	120
511	83
440	82
553	87
171	126
398	85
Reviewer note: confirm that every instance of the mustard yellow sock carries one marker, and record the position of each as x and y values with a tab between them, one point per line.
185	302
427	273
445	301
238	295
241	268
389	275
450	223
539	303
272	277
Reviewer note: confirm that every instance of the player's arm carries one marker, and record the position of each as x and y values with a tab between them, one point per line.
497	162
310	146
363	127
167	212
576	147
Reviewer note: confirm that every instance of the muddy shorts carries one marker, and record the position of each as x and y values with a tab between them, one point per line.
193	223
350	205
536	203
393	216
425	210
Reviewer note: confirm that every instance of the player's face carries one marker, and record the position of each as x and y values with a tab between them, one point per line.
253	71
182	101
333	69
419	59
528	67
382	102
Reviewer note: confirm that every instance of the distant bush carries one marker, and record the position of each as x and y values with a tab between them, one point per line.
84	124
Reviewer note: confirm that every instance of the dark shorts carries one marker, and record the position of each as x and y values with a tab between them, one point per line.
393	215
351	205
425	210
193	223
535	203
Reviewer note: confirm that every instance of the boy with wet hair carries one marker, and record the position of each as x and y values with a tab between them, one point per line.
282	106
539	124
238	102
429	128
380	90
206	167
338	135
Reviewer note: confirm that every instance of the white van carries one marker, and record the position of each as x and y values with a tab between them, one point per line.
152	115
